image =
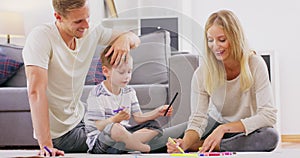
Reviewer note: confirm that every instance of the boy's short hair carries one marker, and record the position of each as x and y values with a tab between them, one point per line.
105	61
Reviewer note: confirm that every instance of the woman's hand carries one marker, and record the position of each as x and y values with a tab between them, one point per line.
213	140
173	148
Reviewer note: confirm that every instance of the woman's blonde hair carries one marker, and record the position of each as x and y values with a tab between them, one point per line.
214	71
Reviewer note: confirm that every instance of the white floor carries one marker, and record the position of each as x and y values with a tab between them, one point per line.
278	153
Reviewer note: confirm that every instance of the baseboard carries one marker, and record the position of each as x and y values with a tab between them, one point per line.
290	138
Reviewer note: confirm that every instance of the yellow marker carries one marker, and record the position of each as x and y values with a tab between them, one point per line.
200	148
185	154
177	146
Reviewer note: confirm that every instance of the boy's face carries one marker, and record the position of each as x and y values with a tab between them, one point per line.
121	75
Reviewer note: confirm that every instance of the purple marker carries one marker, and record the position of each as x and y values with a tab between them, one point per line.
48	150
118	110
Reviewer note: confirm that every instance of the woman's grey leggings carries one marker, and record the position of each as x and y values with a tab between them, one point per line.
263	139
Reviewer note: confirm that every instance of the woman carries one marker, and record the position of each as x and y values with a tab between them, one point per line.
231	94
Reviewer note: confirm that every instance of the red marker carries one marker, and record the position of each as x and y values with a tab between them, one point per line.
216	153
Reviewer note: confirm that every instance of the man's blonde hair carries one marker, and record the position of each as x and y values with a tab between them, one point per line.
63	7
214	71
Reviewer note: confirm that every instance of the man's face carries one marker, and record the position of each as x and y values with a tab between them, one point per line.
75	22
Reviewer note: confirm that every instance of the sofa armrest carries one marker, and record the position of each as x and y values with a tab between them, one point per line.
182	67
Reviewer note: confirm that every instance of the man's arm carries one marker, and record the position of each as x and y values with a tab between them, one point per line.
37	84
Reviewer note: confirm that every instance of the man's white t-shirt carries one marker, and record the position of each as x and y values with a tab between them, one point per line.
67	70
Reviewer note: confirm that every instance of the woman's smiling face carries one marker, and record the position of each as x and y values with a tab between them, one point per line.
218	42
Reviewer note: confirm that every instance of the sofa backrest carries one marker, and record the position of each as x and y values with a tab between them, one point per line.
150	59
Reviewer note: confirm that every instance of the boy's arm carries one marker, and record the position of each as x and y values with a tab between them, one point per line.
140	117
122	115
100	124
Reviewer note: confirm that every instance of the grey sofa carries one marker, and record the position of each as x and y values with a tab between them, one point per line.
158	74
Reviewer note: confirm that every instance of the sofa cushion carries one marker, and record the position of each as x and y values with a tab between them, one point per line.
15	53
150	59
8	68
95	75
14	99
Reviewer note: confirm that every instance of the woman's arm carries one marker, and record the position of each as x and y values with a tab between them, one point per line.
264	109
189	140
198	119
199	104
214	139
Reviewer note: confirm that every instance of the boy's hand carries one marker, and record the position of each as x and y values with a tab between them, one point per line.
163	109
122	115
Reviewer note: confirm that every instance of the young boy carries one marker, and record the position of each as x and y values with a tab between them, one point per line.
110	106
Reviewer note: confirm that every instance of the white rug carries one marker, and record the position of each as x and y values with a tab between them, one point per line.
279	153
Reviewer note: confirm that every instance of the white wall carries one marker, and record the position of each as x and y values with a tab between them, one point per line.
268	24
36	12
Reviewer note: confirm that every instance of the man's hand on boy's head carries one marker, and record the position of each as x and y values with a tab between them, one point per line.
121	46
120	49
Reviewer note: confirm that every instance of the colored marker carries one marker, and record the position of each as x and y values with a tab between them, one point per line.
216	154
118	110
48	150
177	146
200	148
171	103
185	154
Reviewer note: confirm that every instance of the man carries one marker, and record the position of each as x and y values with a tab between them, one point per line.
57	58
